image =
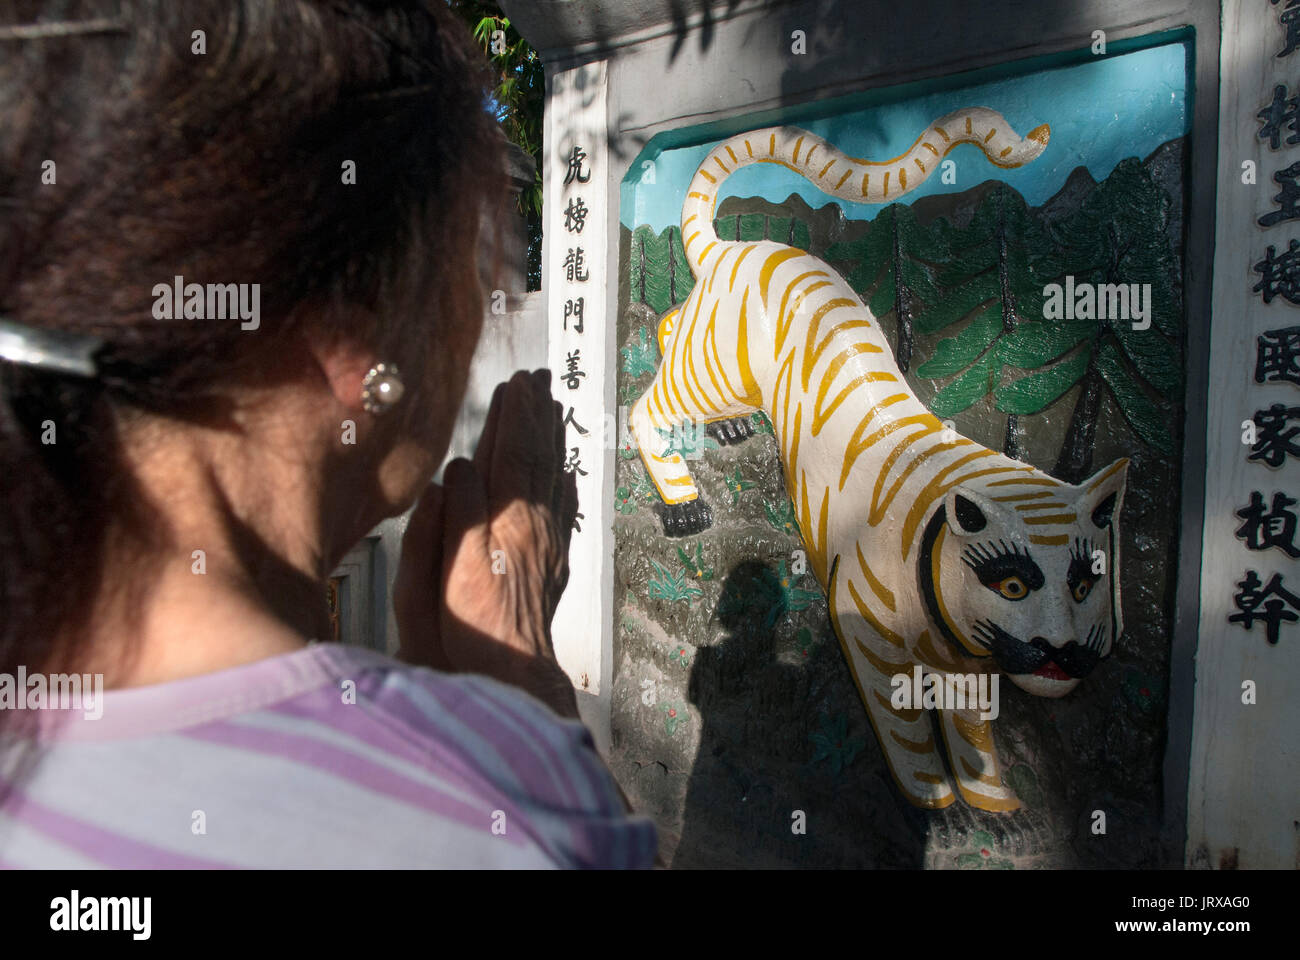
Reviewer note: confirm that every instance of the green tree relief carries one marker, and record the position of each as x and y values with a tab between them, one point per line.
893	260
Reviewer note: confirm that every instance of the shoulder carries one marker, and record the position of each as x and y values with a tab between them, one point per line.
541	770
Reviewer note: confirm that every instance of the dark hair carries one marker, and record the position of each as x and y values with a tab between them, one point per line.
221	167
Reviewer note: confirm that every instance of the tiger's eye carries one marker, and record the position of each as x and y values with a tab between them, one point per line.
1013	588
1081	590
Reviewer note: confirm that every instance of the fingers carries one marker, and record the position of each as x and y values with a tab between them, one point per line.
465	525
417	591
523	461
544	473
487	443
422	541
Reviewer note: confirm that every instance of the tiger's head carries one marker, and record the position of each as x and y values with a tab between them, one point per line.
1028	575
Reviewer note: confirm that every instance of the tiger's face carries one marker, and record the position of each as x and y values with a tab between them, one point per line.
1029	577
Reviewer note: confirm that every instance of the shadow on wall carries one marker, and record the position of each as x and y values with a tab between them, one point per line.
754	795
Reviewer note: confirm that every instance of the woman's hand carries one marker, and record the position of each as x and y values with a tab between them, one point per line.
485	557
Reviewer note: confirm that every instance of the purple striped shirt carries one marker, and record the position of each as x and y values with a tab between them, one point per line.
330	756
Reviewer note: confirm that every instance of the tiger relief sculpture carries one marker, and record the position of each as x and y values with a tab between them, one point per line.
933	550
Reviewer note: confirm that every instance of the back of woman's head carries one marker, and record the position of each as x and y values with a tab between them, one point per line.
338	153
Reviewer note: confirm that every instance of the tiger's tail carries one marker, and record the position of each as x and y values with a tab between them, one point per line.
845	177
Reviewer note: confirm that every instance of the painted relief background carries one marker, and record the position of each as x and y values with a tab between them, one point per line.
733	706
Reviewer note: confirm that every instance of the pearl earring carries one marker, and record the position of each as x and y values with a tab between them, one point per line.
382	388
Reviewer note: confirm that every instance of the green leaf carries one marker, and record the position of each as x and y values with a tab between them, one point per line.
966	389
1031	345
1154	357
1034	392
958	302
1140	412
958	352
886	295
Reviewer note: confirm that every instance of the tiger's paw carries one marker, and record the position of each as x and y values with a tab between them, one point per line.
686	518
963	838
729	432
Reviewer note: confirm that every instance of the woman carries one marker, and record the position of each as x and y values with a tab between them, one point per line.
239	283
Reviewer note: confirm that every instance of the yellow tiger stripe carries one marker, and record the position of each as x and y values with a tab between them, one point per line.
913	464
672	362
968	126
876	408
885	595
687	222
705	252
690	360
991	135
1053	518
883	666
975	774
857	446
748	148
771	146
978	734
902	178
931	778
797	144
717	264
929	146
1049	505
725	169
1026	481
708	176
915	746
866	179
811	355
691	238
739	260
1117	466
937	488
1058	540
911	716
886	193
1005	152
731	153
933	803
1024	496
657	402
818	542
820	416
932	655
808	157
698	196
783	389
948	621
847	173
753	396
878	662
825	169
793	456
711	342
917	161
943	133
784	320
769	267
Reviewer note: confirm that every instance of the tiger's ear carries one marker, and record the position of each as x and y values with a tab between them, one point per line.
971	514
1102	495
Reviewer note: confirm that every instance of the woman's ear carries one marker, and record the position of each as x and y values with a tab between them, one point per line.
344	367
